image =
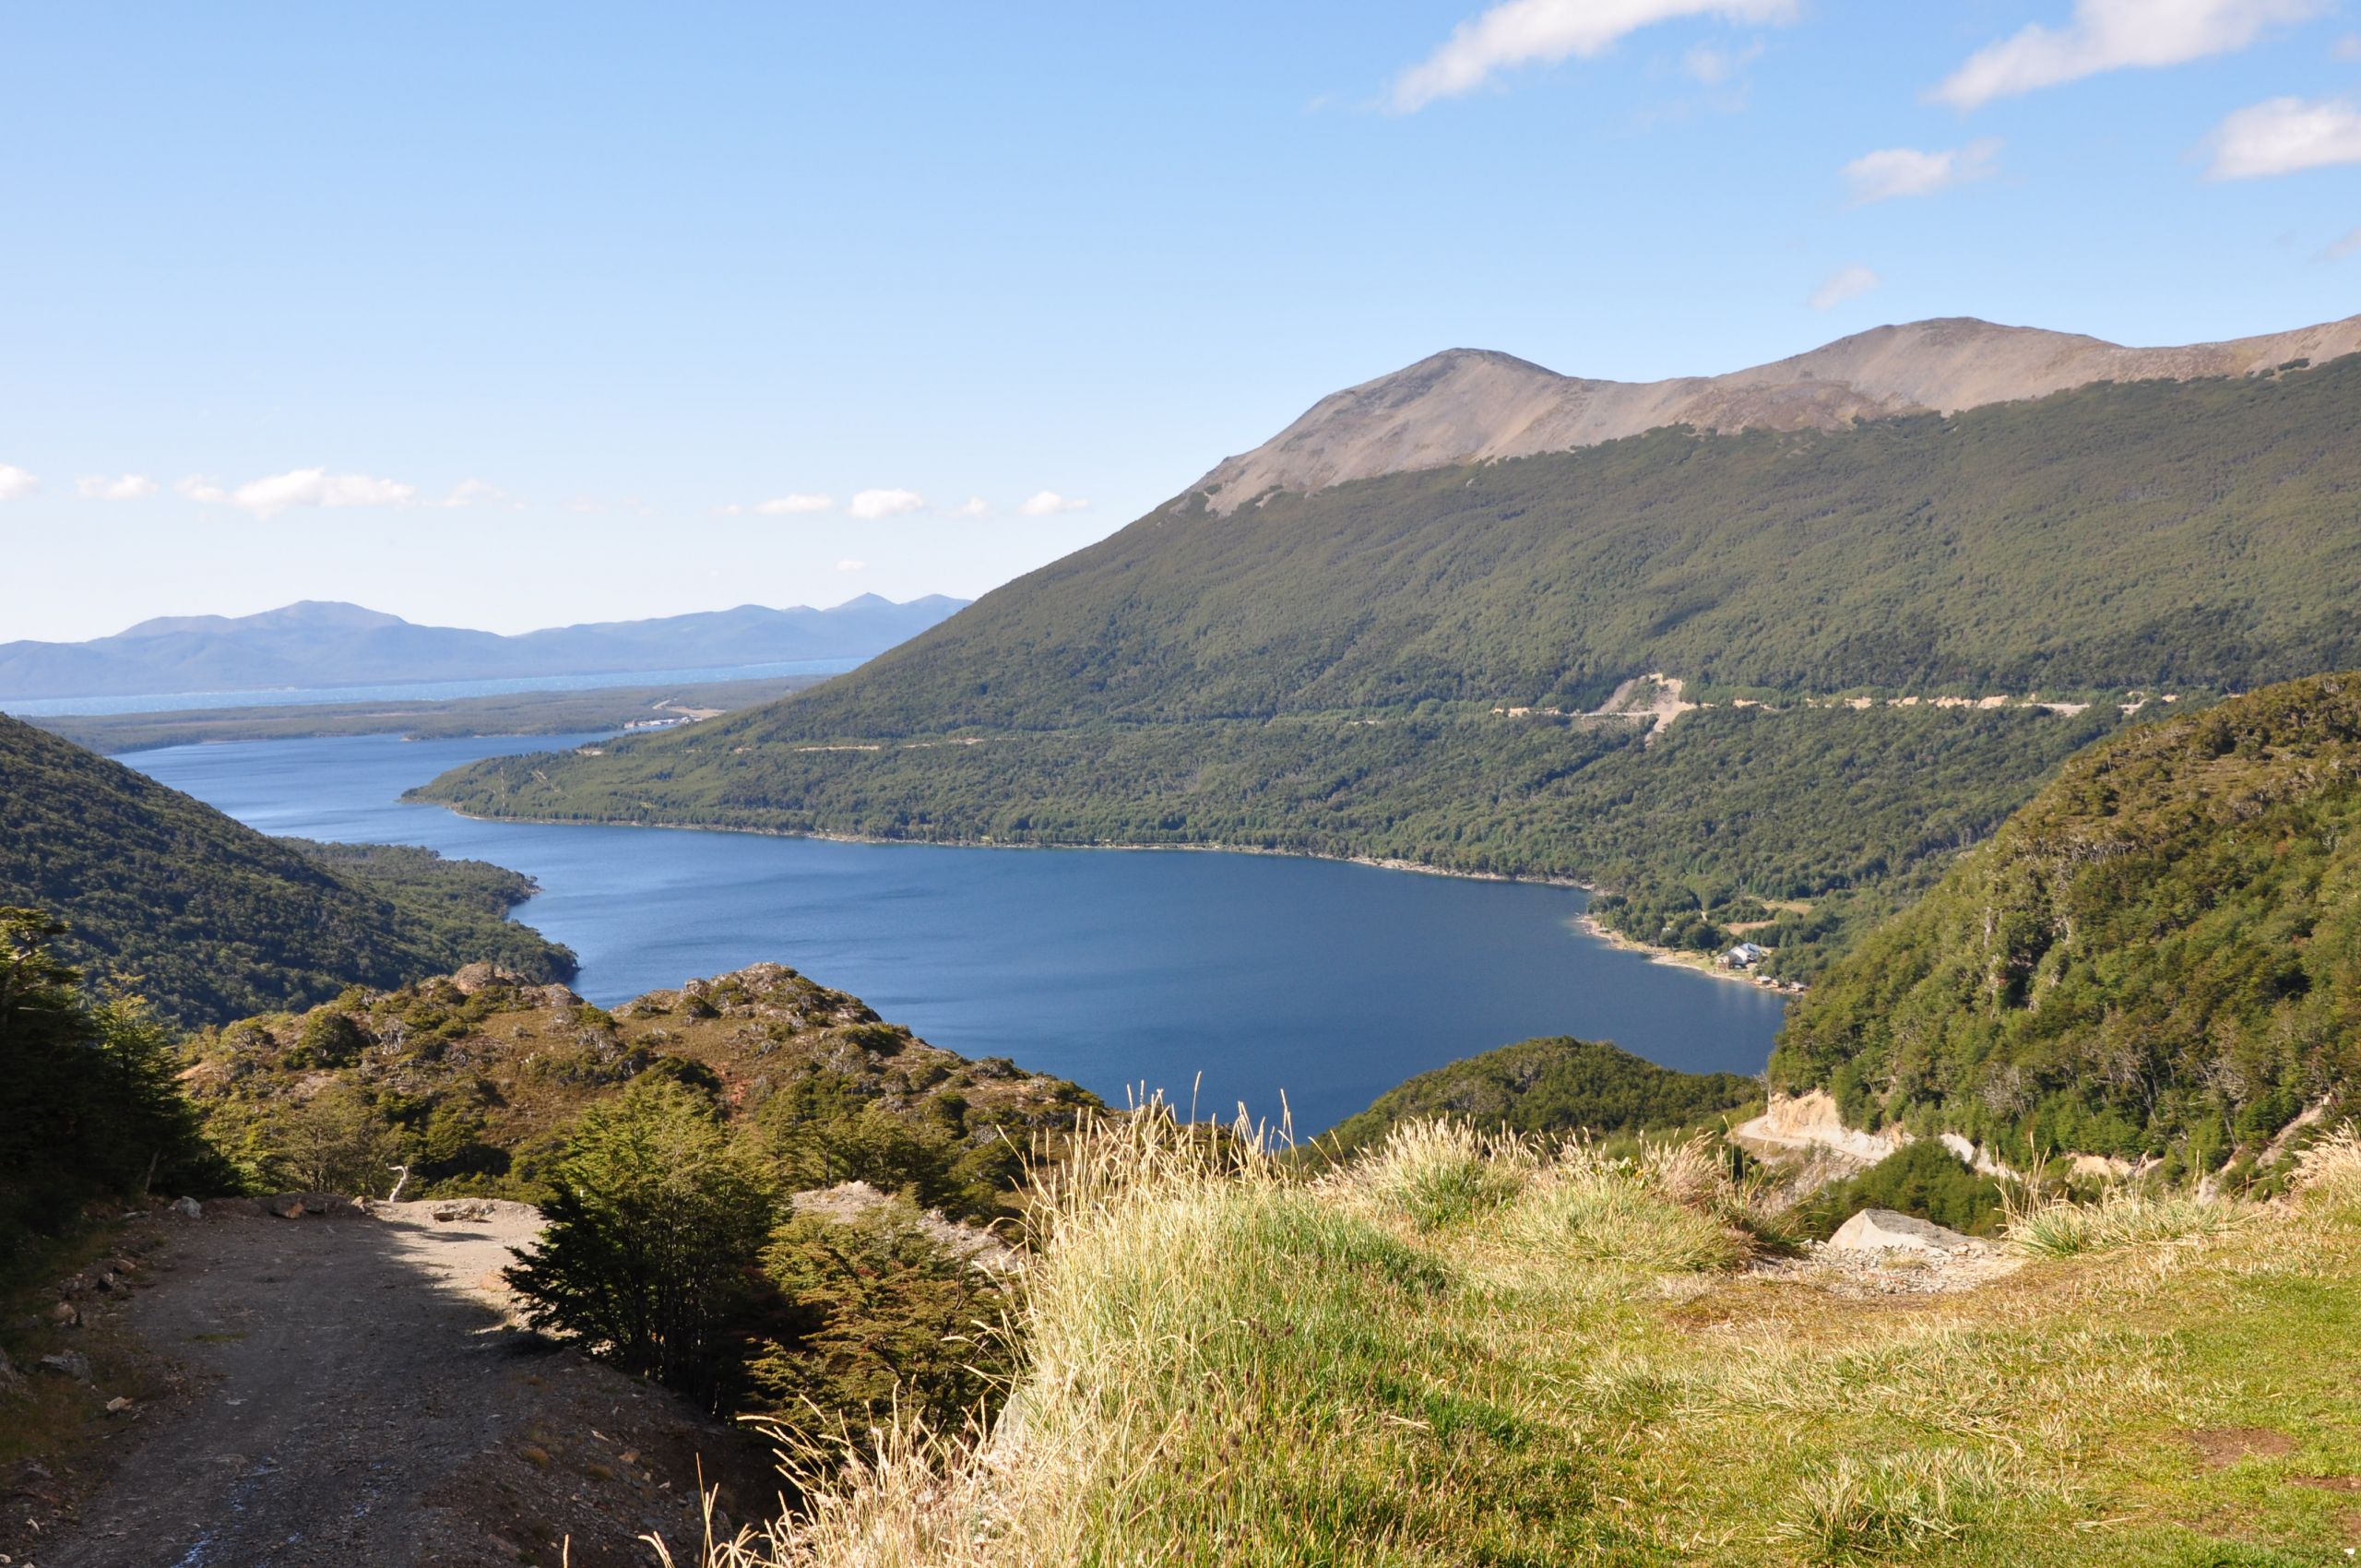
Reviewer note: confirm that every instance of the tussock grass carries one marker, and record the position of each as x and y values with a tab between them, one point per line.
2057	1228
1893	1504
1470	1350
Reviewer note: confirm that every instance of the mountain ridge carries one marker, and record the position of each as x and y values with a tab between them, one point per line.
328	643
1480	405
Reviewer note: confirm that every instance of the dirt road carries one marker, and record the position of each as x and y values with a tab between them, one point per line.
359	1397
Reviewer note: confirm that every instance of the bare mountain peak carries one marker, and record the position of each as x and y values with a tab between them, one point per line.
1477	404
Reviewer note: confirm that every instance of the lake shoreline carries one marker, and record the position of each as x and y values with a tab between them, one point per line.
1587	923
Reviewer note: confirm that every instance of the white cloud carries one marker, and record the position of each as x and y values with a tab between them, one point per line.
2109	35
123	487
300	487
480	492
2281	135
793	506
870	504
972	508
16	483
1522	32
2348	47
851	566
2346	246
1844	283
1047	503
1906	172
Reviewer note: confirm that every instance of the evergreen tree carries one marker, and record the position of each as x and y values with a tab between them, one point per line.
654	1228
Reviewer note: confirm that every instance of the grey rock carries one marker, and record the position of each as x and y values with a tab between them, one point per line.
73	1364
1886	1230
187	1208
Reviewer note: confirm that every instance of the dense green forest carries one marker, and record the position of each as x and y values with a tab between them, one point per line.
2161	956
89	1108
1550	1086
209	919
1321	672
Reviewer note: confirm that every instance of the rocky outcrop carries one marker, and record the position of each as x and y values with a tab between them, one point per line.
1473	405
1811	1120
1889	1231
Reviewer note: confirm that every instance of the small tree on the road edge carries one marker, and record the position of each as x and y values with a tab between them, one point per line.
654	1229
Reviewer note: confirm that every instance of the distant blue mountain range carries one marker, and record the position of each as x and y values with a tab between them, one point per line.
319	644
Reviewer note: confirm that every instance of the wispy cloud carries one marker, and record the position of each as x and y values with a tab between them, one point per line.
1049	504
1844	283
16	483
870	504
851	566
794	506
2349	245
1906	172
2282	135
1714	64
121	487
2111	35
2348	47
973	506
480	492
201	489
1526	32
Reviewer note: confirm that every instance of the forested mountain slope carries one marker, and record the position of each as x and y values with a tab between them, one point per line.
213	920
1338	672
2161	956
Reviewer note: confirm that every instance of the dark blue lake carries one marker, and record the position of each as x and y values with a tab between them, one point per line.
1327	982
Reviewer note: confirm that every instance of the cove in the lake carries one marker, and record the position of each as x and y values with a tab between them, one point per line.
1221	978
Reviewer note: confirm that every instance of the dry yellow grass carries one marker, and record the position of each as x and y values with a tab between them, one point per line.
1465	1349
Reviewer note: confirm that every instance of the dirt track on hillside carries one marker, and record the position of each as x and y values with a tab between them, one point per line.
359	1398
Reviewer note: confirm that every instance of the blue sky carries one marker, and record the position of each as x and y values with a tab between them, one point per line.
515	316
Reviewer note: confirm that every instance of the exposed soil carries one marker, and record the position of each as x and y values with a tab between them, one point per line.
2218	1448
358	1394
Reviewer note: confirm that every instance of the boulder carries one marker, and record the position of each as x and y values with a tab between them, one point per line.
286	1206
66	1314
1885	1231
321	1202
73	1364
187	1208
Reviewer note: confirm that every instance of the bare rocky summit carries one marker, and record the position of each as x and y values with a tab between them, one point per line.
1474	405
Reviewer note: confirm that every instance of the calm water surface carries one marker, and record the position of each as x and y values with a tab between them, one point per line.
1264	974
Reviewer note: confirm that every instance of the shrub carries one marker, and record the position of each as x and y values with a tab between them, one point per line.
886	1315
655	1222
1922	1178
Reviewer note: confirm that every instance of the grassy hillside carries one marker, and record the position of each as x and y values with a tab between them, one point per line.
2161	956
212	920
1322	671
1454	1353
475	1081
1549	1086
